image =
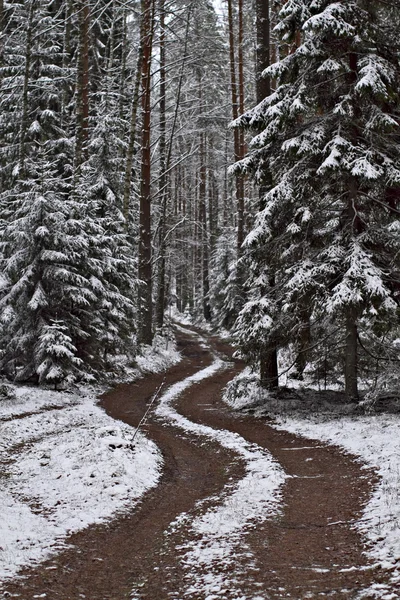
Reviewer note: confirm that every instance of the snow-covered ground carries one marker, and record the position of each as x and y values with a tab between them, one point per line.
219	532
64	464
373	439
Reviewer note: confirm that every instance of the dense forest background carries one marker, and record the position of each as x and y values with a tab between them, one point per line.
126	190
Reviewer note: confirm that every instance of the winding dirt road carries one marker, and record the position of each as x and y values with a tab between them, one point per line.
308	550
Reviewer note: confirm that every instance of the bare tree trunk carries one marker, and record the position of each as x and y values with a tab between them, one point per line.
238	136
351	375
303	343
130	153
166	154
263	84
269	358
269	370
2	27
82	87
204	229
163	192
351	314
25	90
226	211
66	58
145	329
241	142
354	226
123	70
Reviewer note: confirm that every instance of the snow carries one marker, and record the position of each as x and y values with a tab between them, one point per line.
219	532
65	465
372	439
375	439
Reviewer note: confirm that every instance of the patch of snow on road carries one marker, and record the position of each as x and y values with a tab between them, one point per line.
62	469
254	499
376	440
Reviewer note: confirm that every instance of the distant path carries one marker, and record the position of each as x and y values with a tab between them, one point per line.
309	551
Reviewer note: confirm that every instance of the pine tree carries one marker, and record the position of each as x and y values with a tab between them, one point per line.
66	297
328	137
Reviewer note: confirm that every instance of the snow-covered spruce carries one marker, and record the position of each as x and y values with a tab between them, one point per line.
66	297
323	254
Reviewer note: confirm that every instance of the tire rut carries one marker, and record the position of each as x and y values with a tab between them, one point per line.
105	562
313	549
303	553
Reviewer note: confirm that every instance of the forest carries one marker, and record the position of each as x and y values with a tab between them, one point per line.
199	299
236	162
126	189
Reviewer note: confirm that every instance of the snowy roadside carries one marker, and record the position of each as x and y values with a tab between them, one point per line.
65	464
219	532
374	439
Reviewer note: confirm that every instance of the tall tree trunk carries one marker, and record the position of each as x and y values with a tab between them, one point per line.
25	89
145	333
82	87
354	226
66	57
351	313
238	135
241	142
163	176
204	229
269	357
123	69
2	27
130	153
351	375
166	153
263	84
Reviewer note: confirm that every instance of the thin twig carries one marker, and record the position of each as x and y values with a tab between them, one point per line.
143	419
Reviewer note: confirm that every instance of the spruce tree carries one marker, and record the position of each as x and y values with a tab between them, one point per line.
67	284
328	138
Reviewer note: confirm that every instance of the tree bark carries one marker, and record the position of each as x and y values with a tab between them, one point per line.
269	357
2	33
133	120
145	330
123	70
25	89
263	84
66	58
166	154
241	142
351	372
82	87
269	370
238	135
163	176
352	223
204	230
351	312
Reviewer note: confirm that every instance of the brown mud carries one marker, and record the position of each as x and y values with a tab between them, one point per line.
310	550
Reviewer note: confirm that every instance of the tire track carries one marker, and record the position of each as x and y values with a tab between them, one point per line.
309	550
107	561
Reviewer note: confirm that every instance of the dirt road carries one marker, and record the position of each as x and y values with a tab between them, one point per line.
308	550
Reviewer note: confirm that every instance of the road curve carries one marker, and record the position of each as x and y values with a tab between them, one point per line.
308	550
